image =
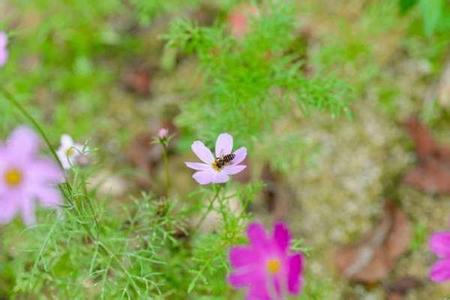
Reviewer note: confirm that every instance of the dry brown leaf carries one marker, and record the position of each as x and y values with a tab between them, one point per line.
371	259
145	156
276	195
138	81
401	287
432	175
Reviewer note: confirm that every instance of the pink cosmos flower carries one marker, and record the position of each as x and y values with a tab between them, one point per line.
439	243
217	169
265	267
3	48
25	177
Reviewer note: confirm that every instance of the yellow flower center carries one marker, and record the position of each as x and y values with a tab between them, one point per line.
215	166
13	177
70	152
273	266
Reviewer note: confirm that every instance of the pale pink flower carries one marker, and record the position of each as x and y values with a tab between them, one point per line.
218	168
163	133
26	178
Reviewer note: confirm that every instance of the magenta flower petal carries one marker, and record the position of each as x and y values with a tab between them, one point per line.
242	278
202	152
439	243
440	271
240	155
258	291
24	143
257	235
295	270
242	256
282	236
203	177
224	144
198	166
232	170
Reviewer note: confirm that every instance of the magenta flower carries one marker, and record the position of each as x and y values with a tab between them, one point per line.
440	244
265	267
3	48
25	177
217	169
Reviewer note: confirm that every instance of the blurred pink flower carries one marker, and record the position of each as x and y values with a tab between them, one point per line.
440	245
25	177
163	133
239	19
3	48
266	268
217	169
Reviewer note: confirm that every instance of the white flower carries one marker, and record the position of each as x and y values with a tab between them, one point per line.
69	152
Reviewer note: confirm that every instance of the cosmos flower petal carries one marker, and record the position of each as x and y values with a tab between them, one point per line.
257	235
439	243
3	49
44	171
3	56
8	209
64	158
198	166
282	236
440	271
220	170
224	144
294	275
233	170
66	141
242	278
203	177
27	211
220	177
240	155
25	178
273	272
258	291
3	39
202	152
242	256
23	142
48	197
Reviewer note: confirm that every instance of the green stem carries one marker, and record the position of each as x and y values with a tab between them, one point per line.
209	209
166	169
11	99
